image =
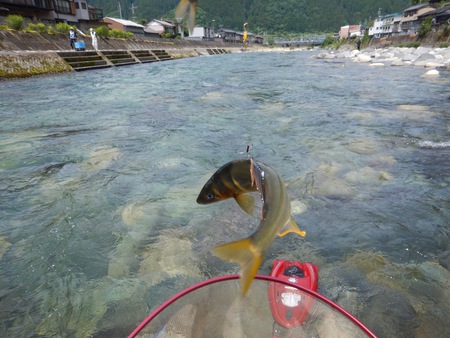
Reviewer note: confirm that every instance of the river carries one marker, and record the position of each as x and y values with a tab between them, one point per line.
100	171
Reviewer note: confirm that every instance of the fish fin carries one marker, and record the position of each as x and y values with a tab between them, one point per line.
291	226
257	175
189	8
246	254
247	203
182	9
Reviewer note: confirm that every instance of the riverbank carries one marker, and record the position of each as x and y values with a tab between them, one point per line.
432	59
25	54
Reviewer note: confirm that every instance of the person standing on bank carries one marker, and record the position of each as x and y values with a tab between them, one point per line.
358	43
72	37
94	38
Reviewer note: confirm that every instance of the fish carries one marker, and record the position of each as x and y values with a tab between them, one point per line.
235	179
232	180
189	8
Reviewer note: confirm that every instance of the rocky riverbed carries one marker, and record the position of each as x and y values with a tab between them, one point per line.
434	59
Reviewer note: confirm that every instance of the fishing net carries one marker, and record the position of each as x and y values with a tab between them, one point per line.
215	308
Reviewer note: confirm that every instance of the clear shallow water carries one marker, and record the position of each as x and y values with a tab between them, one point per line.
99	172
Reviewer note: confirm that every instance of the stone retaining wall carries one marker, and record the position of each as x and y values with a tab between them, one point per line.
34	41
431	40
24	54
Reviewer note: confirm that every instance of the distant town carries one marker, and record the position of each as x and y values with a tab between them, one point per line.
84	16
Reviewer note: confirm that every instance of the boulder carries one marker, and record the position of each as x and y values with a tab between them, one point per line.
363	58
423	59
434	65
397	63
431	73
408	57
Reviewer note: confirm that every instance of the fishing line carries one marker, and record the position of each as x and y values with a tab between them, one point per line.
247	151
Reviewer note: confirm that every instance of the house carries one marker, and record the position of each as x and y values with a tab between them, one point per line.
159	27
228	35
258	39
202	33
376	29
350	31
440	16
391	24
73	12
410	22
124	25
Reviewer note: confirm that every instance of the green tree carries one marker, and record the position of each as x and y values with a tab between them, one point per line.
425	27
279	16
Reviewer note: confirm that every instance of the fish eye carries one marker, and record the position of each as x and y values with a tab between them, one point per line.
210	196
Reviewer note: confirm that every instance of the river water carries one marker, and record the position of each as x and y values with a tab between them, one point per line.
100	170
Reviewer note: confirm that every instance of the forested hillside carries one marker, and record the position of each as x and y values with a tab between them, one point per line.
297	16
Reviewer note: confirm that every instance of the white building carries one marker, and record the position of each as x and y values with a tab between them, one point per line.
82	11
202	33
377	27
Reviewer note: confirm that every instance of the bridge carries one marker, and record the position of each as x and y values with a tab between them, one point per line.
300	41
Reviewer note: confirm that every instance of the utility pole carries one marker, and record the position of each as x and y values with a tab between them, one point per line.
133	7
120	10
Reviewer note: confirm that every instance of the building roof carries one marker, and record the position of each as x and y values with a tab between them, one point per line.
165	23
419	6
444	10
392	15
124	22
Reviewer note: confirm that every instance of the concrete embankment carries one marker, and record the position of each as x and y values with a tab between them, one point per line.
24	54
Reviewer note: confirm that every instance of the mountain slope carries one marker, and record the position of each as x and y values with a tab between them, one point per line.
296	16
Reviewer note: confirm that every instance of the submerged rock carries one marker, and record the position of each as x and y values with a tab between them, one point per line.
101	159
368	175
431	73
298	207
324	182
169	257
4	246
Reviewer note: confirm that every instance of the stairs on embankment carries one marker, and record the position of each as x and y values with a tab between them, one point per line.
85	60
213	51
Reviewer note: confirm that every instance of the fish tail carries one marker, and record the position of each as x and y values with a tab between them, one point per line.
189	8
247	254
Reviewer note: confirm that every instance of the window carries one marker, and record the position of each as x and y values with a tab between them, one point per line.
77	5
62	6
83	5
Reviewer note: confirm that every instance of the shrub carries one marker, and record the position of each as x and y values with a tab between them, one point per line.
410	45
31	27
329	40
167	35
41	27
119	34
51	30
62	27
102	31
14	21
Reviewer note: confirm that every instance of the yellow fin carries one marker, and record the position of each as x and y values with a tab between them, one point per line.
188	7
182	9
247	203
291	226
246	254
